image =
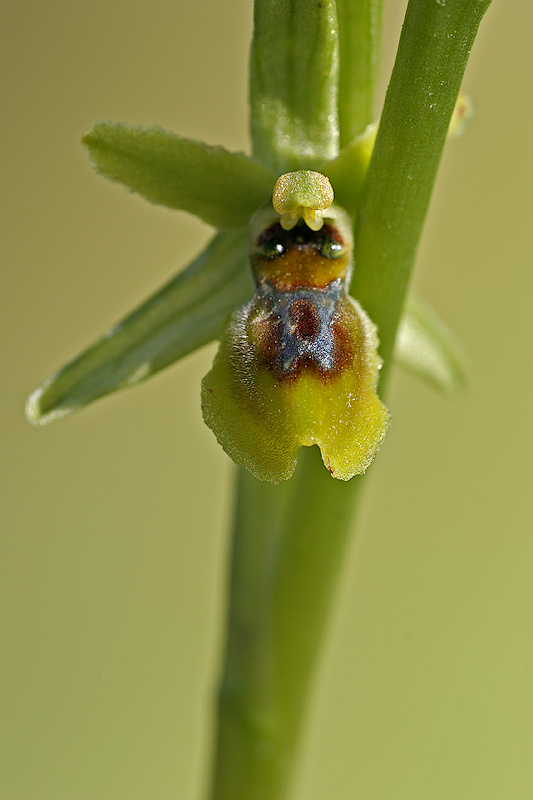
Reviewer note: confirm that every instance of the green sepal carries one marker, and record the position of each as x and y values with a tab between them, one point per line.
185	314
220	187
427	348
293	83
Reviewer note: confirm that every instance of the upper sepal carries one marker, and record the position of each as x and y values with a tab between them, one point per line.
294	69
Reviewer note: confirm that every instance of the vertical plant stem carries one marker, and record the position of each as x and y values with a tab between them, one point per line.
285	562
290	540
247	764
436	41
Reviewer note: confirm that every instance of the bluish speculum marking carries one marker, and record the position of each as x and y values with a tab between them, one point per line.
300	321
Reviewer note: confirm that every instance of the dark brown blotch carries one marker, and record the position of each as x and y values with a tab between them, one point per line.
305	319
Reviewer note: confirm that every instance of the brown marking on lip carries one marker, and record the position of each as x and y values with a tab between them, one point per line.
266	334
345	349
304	318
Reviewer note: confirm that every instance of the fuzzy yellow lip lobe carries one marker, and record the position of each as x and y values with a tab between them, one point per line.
298	364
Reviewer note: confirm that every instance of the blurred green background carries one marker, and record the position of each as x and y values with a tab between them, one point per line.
114	522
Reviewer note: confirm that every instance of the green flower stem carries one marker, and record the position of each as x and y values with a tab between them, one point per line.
436	41
248	760
284	571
